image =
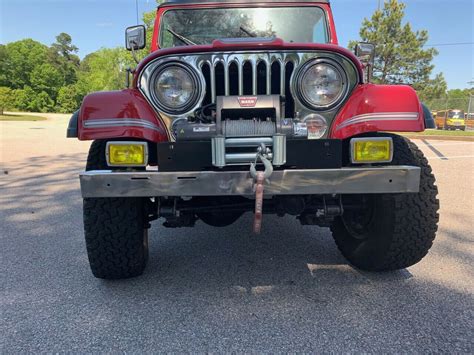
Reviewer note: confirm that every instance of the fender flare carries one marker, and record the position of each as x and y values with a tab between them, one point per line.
376	108
119	114
429	119
72	126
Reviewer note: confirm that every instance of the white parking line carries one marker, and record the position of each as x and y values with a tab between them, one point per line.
432	142
450	157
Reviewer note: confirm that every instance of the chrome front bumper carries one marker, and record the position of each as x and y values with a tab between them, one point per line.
388	179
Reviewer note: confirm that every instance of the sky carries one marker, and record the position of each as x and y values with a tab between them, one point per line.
100	23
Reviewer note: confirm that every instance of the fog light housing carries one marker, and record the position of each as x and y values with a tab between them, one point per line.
127	154
316	126
371	150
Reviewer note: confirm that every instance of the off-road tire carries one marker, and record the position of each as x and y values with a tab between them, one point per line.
403	226
114	228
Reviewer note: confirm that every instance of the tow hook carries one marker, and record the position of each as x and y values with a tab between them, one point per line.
260	177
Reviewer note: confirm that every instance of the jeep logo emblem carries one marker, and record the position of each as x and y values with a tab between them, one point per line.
247	101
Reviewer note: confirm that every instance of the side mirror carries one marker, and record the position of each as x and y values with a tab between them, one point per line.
366	54
135	38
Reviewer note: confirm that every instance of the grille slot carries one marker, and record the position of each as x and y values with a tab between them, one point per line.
247	78
290	102
249	74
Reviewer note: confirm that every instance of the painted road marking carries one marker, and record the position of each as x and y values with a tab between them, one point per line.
450	157
434	150
450	143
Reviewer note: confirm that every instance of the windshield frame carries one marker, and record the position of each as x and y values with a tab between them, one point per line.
328	24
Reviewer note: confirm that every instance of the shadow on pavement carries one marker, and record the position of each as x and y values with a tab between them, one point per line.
205	289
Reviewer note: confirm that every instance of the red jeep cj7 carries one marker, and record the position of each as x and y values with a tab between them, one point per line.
252	106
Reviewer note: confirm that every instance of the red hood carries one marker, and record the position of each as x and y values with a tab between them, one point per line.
276	44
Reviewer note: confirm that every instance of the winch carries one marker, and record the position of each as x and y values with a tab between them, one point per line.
238	124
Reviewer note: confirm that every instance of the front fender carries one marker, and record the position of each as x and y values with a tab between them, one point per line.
375	108
119	114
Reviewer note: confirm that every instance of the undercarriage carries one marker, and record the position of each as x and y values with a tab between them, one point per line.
223	211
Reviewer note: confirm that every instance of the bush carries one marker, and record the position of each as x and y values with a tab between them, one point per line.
24	98
69	99
42	103
6	99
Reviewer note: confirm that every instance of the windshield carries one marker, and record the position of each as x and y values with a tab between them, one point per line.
456	114
202	26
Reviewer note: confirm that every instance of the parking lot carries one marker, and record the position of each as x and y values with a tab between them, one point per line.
216	290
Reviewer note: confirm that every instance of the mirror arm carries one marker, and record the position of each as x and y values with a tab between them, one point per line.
368	72
134	54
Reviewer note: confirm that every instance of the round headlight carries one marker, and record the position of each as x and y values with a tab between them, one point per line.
175	88
321	84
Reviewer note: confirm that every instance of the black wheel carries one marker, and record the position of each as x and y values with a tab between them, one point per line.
115	229
392	231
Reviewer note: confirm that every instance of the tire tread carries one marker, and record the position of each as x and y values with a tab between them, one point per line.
114	229
415	216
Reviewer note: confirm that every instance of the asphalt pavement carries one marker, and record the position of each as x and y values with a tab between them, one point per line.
219	290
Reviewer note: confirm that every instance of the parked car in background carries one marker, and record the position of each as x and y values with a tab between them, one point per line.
450	120
469	120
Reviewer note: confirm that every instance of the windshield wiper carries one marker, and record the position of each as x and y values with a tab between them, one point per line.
183	39
247	32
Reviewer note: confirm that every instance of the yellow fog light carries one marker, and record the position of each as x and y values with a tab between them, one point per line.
127	153
371	150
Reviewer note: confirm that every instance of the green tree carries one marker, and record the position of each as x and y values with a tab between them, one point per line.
69	99
64	46
62	56
6	99
46	78
42	103
400	53
452	99
104	70
433	89
149	22
21	58
24	98
3	65
459	99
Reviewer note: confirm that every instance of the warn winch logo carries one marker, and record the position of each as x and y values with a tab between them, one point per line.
247	101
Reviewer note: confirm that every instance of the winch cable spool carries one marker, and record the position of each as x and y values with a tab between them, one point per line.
245	128
260	177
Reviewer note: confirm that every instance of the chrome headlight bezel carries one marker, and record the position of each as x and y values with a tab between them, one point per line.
151	74
297	83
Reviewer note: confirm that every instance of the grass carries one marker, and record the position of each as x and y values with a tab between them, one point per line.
9	117
440	132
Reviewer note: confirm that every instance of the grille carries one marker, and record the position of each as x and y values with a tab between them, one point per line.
249	74
244	73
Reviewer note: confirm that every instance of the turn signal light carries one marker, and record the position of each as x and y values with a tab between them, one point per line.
371	150
127	153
